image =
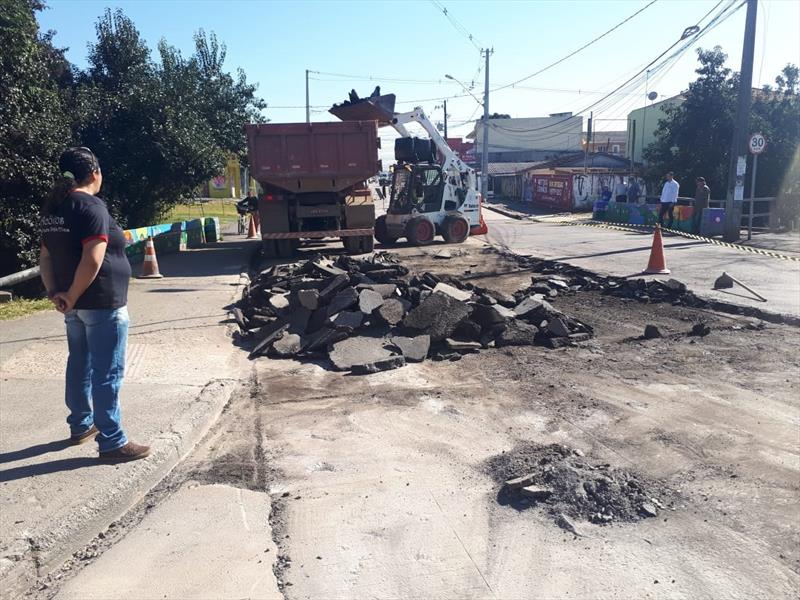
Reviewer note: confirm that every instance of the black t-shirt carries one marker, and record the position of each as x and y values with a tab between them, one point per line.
79	219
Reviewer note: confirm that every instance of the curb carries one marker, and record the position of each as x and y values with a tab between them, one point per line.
50	549
505	212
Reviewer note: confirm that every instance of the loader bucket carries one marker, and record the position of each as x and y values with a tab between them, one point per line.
380	108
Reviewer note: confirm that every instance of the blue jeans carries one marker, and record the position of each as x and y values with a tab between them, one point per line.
96	340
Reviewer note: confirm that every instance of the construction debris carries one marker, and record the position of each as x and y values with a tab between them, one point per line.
370	315
570	486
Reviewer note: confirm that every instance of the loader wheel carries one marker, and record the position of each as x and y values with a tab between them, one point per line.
270	249
455	230
286	248
420	231
382	232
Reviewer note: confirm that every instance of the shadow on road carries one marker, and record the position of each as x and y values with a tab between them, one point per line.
31	451
54	466
625	251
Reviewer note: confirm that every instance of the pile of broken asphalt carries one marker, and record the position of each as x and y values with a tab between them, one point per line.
370	315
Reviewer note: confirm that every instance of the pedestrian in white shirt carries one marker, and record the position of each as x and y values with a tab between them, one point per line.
669	198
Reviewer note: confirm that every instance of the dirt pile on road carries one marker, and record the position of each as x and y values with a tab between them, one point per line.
370	315
570	486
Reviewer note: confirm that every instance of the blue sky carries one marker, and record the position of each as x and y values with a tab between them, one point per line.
275	42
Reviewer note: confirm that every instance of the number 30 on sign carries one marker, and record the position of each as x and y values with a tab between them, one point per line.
758	143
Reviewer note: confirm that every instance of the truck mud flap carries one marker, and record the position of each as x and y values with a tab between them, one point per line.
316	235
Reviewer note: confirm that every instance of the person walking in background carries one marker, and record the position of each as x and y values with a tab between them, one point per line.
85	272
701	196
621	192
669	198
634	191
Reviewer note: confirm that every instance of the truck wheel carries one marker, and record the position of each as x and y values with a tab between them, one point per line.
270	249
455	230
285	248
352	244
367	243
420	231
382	233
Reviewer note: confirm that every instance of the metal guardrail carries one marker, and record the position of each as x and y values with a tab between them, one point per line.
18	277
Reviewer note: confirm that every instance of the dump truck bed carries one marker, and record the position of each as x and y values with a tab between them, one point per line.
315	157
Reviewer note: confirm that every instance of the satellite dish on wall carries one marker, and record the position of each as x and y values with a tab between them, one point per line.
652	96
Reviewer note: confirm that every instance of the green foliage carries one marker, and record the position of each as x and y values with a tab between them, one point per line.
695	137
33	130
159	128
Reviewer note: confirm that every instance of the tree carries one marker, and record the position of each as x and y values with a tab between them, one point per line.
33	130
694	138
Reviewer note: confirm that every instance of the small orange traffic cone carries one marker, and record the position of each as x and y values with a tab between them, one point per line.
150	264
251	230
480	228
657	263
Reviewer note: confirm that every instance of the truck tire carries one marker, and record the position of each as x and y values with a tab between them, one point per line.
270	249
382	233
352	244
286	248
367	243
420	231
455	229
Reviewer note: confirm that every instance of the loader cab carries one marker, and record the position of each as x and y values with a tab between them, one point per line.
417	187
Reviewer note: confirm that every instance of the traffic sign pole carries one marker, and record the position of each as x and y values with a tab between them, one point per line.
757	144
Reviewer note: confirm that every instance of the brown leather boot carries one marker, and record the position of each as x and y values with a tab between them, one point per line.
82	438
129	451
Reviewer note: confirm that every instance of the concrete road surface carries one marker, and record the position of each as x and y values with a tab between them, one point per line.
181	369
624	253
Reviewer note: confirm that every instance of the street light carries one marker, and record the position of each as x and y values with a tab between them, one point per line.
465	88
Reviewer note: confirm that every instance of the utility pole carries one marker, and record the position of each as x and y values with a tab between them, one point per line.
736	171
308	104
485	152
445	120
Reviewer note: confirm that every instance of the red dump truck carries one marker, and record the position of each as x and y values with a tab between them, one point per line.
313	177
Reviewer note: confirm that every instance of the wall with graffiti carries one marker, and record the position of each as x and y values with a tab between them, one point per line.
171	237
570	192
647	214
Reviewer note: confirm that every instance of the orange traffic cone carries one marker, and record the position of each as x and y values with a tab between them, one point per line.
657	263
480	228
150	264
251	230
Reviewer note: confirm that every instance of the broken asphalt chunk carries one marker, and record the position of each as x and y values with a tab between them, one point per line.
414	349
267	335
438	315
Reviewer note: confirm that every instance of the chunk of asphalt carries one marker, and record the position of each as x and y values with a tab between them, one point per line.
323	338
528	305
558	327
347	320
517	333
318	318
520	482
462	346
386	290
279	301
488	316
343	300
700	329
308	298
298	320
393	310
675	285
387	364
333	287
536	492
648	510
502	298
651	332
358	351
414	349
239	316
438	315
462	295
325	268
289	345
368	301
267	335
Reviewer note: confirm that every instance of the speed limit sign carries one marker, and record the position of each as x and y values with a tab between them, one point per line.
758	143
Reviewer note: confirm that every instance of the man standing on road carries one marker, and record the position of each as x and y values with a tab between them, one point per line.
701	196
669	198
621	192
633	191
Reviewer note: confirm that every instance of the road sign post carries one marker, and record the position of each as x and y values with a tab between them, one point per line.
757	145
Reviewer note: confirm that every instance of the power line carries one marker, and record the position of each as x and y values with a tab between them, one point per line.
573	53
457	25
693	38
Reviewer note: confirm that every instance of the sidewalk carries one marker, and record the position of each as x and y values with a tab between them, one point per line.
181	370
